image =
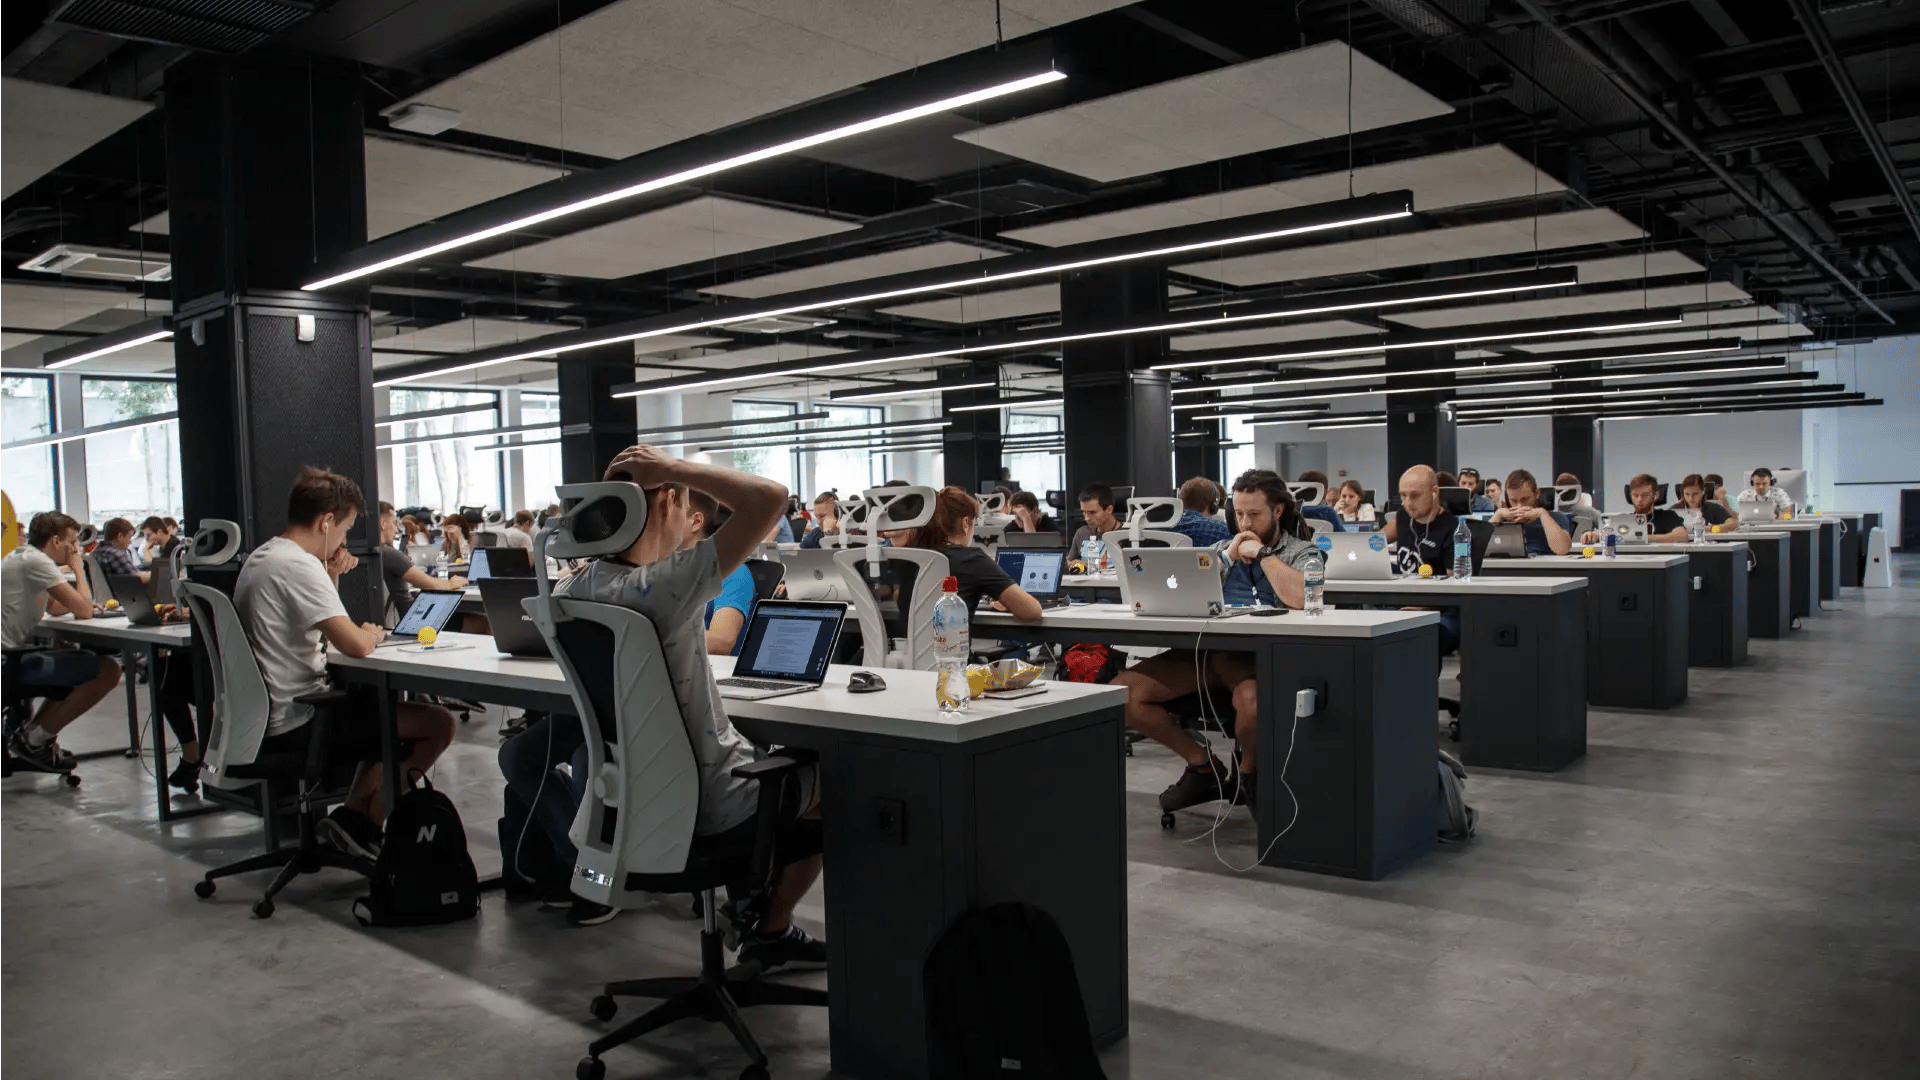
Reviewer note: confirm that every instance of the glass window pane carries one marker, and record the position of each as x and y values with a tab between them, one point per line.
134	472
1041	471
1239	458
26	410
773	462
444	474
540	465
846	471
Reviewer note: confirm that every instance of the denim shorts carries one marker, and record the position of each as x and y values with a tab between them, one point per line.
58	670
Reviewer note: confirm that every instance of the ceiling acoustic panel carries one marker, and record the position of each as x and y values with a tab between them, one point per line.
905	260
702	228
1271	335
985	307
1586	304
42	127
462	335
1284	100
1483	174
1513	236
640	74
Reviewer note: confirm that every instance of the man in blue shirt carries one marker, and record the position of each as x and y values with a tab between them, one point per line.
1548	532
1477	501
1199	497
726	613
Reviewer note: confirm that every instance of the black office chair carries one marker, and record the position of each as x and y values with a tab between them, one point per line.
767	576
486	539
639	812
1659	494
232	753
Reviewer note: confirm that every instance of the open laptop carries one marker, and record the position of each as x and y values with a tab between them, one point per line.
135	604
1043	540
1038	572
1757	510
429	609
513	631
498	562
1355	556
160	581
1630	528
813	575
480	564
788	646
1509	541
1173	581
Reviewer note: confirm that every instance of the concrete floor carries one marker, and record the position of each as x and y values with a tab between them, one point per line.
1727	890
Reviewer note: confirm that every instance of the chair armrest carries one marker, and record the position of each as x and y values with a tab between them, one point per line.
770	773
778	764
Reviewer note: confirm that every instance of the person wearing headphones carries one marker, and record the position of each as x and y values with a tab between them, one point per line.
1265	560
1760	489
1199	498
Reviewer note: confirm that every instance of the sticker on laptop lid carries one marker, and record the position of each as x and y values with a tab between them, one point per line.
1324	543
1377	542
1205	560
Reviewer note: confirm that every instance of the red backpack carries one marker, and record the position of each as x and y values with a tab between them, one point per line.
1093	663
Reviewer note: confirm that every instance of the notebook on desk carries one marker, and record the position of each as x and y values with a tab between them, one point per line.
134	602
1508	541
788	646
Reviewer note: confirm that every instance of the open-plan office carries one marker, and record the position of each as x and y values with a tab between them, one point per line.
960	539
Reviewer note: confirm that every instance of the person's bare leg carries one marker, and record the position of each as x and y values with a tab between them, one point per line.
792	883
1246	721
428	729
1149	684
55	715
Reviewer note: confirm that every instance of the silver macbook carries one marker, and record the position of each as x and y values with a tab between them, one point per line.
1758	510
1355	556
1630	528
1509	541
1173	581
813	575
430	609
788	646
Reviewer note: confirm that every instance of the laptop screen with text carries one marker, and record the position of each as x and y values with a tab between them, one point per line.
790	640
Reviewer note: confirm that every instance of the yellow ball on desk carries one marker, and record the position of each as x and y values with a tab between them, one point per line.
1425	570
427	635
1716	528
1586	551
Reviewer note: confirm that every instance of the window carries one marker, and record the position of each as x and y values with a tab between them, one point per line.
1238	458
846	471
447	473
133	472
1039	471
778	462
26	411
540	465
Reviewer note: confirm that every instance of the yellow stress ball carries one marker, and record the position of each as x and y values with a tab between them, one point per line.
1425	570
1716	528
111	604
1586	551
427	634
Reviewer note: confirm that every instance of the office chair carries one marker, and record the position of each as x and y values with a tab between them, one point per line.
1146	538
485	539
636	825
1308	493
1659	494
767	576
232	751
97	586
915	572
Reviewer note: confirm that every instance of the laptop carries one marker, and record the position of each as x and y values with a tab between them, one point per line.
1509	541
480	564
513	631
1043	540
1757	510
1038	572
160	581
788	646
430	609
1630	528
423	555
1355	556
1173	581
135	604
813	575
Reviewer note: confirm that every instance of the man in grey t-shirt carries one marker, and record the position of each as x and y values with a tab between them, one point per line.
670	582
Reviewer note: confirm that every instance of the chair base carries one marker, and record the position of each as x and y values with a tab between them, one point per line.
307	857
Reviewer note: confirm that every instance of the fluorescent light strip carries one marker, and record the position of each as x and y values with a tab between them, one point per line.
1453	370
88	433
922	388
712	425
451	410
457	436
989	406
1623	391
106	350
1733	394
943	286
811	435
687	175
1329	426
517	445
1360	350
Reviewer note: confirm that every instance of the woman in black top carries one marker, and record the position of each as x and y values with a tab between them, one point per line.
950	533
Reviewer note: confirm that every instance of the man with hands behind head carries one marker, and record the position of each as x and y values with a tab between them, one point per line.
1548	532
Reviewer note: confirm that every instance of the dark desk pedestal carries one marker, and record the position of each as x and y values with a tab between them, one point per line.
1637	619
1035	815
1717	623
1803	571
1769	583
1853	547
1829	559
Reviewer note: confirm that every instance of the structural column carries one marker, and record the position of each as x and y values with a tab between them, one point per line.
971	442
1119	427
594	425
1197	448
1579	448
1420	428
266	180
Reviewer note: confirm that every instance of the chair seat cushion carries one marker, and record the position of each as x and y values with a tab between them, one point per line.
727	858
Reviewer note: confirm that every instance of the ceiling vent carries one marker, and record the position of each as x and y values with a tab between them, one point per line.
107	264
217	26
779	325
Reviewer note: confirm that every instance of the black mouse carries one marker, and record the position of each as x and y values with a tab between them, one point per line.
865	682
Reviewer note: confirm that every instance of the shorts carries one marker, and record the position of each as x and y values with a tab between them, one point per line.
352	734
54	673
798	792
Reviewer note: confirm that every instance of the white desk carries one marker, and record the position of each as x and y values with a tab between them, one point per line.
1638	612
1010	800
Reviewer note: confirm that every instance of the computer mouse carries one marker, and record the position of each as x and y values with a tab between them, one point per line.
865	682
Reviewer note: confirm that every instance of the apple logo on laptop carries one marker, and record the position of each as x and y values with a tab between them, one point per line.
1173	582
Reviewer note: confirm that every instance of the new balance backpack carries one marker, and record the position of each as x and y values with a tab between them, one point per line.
424	874
1003	1002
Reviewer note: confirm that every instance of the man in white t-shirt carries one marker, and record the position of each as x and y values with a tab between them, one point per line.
670	582
1760	489
288	597
33	584
519	533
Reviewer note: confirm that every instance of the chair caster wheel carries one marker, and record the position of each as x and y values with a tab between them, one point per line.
603	1008
1453	730
1129	749
590	1069
1166	819
203	888
130	753
755	1072
73	780
263	909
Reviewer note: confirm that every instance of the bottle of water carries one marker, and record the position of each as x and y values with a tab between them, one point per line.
440	564
1462	552
1316	588
952	640
1697	531
1613	544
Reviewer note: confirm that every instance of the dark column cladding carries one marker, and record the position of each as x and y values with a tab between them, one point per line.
1578	448
265	173
1420	429
594	425
1197	449
971	443
1119	428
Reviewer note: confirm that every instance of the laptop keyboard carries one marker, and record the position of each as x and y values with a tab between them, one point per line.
753	684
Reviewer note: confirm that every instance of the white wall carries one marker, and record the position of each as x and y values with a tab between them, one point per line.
1875	451
1671	447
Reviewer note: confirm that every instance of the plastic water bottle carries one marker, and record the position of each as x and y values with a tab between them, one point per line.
440	564
1697	531
1316	587
1462	552
952	641
1613	544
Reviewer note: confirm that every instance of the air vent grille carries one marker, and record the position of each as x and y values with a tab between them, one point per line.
219	26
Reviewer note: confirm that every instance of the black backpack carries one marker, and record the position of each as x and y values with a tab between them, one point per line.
423	875
1003	1000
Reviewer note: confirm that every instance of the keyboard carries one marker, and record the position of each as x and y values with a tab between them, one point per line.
755	684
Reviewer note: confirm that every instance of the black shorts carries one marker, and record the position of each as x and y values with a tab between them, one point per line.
55	673
797	794
353	731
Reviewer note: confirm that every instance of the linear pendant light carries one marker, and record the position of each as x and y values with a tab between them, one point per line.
893	390
1165	244
712	425
495	447
1666	317
127	337
1703	410
1711	345
1797	378
1828	390
456	436
805	435
58	437
1012	403
688	175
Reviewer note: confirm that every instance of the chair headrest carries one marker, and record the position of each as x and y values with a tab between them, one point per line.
889	514
1567	496
494	518
1455	499
603	518
1152	512
216	542
1308	492
88	533
993	503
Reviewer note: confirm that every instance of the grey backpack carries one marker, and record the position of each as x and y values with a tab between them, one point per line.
1457	819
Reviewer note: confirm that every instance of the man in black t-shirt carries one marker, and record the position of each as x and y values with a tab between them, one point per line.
398	571
1420	530
1663	525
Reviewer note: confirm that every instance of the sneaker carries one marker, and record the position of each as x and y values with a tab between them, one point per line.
42	758
1206	782
1247	794
352	832
585	912
792	947
185	776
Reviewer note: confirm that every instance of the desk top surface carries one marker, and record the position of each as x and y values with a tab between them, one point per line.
117	628
1330	624
1751	536
1562	564
1705	546
1531	585
1802	524
905	709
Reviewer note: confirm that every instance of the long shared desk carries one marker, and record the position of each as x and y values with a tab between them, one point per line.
1812	550
1637	612
1717	606
925	814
